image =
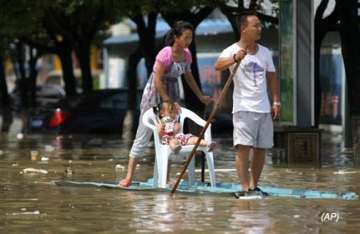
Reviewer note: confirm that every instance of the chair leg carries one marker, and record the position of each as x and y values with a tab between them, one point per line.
191	172
211	168
163	172
161	169
202	159
156	174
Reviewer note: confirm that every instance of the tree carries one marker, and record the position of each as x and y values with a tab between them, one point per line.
350	48
147	36
231	9
342	19
9	26
5	106
77	23
322	27
61	27
23	23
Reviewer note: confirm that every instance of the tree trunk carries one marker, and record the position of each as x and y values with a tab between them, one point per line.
322	27
34	55
349	33
20	57
317	85
64	53
320	33
230	13
147	34
149	53
191	99
7	116
83	54
131	73
231	18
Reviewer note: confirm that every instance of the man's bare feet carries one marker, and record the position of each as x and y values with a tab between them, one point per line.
125	183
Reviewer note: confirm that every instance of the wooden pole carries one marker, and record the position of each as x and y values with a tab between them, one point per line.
216	107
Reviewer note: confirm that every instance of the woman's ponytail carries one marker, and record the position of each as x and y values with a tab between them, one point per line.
170	37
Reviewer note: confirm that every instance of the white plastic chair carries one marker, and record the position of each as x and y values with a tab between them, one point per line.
164	153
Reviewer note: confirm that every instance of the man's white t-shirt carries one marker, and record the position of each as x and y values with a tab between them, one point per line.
250	84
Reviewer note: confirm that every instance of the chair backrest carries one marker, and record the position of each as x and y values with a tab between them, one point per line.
186	113
150	119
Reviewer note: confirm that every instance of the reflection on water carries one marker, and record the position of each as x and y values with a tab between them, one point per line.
31	203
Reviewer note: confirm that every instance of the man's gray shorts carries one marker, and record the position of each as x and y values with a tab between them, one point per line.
253	129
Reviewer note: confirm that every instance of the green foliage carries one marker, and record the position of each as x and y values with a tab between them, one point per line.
23	18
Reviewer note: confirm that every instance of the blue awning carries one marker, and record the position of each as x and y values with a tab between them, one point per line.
206	27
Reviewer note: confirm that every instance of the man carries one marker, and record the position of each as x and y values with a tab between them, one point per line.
252	112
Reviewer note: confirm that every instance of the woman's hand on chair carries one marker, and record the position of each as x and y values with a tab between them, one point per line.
206	99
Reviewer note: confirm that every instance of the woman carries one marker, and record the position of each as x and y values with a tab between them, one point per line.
171	62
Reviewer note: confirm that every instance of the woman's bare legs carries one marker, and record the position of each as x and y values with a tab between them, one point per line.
143	135
130	172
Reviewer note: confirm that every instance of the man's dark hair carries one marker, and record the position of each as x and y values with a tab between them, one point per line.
241	19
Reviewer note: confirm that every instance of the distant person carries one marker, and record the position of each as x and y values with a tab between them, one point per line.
171	62
169	129
252	112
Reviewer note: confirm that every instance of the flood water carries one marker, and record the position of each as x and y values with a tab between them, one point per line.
31	203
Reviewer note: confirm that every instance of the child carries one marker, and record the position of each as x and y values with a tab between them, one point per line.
169	129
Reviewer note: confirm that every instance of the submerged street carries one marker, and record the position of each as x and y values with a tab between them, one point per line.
31	202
